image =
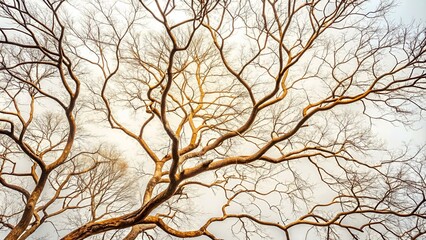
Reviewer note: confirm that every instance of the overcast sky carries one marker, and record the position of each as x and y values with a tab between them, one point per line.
408	10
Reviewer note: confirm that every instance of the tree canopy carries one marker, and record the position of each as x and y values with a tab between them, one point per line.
215	119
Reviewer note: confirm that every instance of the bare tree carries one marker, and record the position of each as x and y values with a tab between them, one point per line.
41	157
255	117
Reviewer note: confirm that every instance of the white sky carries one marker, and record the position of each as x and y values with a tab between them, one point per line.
406	11
409	10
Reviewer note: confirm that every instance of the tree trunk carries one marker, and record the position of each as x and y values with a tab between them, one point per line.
29	210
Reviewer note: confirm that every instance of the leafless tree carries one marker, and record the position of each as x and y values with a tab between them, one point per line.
240	119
